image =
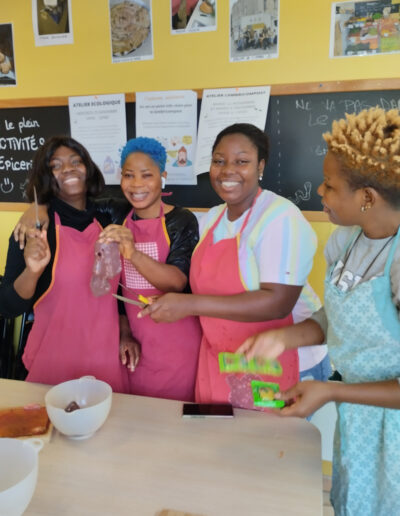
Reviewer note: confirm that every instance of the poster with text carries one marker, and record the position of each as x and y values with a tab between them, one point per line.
223	107
188	16
131	30
52	22
171	118
365	28
7	61
99	123
254	30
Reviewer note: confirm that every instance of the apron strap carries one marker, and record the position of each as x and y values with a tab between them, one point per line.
391	252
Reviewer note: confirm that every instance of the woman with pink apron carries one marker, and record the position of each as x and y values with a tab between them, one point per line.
156	242
169	352
215	271
75	333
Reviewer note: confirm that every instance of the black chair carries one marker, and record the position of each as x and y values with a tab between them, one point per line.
19	372
6	347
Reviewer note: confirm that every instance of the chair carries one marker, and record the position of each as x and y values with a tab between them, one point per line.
19	372
6	347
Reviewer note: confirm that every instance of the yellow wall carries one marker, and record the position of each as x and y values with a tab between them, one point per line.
8	220
181	62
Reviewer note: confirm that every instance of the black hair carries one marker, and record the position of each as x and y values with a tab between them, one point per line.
257	137
41	176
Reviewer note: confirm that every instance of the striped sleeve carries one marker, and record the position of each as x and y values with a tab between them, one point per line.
287	250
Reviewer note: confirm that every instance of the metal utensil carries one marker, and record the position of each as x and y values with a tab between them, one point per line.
141	298
131	301
37	223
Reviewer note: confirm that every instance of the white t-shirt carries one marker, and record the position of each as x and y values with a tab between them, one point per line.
276	246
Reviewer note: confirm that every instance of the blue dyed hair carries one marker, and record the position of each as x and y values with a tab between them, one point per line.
148	146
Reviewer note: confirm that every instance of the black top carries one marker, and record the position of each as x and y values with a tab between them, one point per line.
181	224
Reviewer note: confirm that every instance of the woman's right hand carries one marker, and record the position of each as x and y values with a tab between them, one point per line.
28	221
123	236
268	344
37	251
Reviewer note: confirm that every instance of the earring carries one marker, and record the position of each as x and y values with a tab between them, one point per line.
260	178
162	182
365	207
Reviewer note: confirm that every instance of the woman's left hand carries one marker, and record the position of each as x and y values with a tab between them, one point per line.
304	398
167	308
129	352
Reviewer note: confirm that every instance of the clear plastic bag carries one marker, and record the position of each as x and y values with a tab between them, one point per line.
106	265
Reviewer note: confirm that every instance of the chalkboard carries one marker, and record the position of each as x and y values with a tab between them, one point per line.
22	132
295	124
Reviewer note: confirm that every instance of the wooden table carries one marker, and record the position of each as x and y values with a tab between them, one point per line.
147	458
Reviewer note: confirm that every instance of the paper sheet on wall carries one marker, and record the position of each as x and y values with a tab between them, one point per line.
223	107
99	123
52	22
171	118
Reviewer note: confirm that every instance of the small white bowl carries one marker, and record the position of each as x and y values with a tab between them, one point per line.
18	474
94	399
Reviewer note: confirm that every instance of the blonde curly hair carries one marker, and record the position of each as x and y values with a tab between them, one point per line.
367	146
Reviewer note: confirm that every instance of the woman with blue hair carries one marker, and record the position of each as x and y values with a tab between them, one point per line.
156	242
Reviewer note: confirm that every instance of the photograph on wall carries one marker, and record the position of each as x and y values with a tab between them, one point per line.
365	28
52	22
171	118
7	62
193	16
131	30
254	29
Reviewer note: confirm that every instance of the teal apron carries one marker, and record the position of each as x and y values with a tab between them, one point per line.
364	344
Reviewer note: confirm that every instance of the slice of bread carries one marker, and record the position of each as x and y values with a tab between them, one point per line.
23	421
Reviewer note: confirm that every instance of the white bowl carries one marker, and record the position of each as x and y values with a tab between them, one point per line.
94	399
18	474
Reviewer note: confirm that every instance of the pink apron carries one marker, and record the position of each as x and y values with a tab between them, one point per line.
169	351
74	333
215	271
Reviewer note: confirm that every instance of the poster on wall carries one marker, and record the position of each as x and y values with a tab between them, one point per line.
365	28
52	22
99	123
171	118
188	16
7	61
223	107
254	30
131	30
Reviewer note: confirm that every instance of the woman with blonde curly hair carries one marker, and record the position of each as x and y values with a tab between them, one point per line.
360	318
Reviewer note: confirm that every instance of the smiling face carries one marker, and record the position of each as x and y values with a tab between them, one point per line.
141	184
235	171
340	202
69	172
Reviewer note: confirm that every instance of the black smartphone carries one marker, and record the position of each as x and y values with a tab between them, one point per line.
207	410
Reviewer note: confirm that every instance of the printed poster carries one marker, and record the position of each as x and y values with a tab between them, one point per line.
52	22
171	118
223	107
131	30
99	123
189	16
254	30
7	61
365	28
